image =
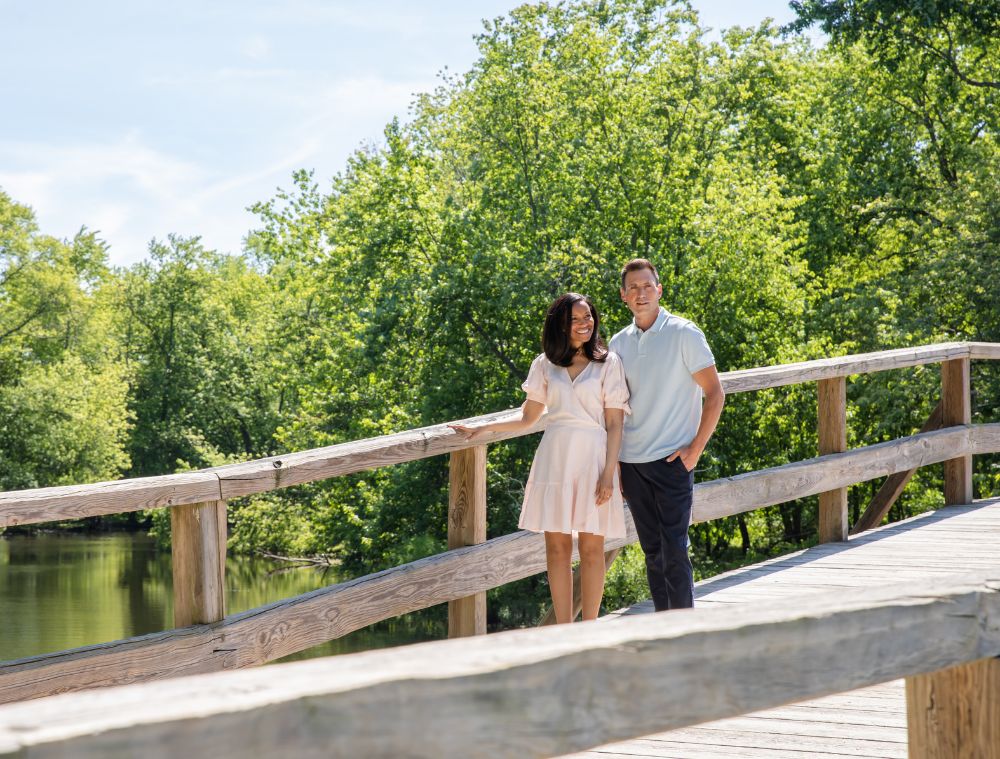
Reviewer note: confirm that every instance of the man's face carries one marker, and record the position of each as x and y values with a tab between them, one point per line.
641	293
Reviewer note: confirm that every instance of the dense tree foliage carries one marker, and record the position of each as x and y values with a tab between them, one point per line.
799	202
193	328
63	411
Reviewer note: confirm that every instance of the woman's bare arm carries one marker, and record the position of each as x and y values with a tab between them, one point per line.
614	421
531	412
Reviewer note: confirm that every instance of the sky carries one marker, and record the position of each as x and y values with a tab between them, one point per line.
138	119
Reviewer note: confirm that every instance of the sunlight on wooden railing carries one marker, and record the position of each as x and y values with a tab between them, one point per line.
207	640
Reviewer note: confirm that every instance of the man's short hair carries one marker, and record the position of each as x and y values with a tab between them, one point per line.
635	265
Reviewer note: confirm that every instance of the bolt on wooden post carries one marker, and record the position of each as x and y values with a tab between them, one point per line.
956	409
198	555
467	526
832	429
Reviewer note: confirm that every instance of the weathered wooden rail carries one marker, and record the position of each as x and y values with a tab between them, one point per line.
206	640
549	691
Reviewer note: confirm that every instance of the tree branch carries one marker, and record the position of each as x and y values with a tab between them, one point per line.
504	358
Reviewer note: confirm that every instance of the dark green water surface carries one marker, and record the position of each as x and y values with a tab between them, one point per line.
60	591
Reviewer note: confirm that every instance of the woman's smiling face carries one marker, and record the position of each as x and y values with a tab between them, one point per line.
581	325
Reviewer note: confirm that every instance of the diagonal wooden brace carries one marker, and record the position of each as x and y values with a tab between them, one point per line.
893	485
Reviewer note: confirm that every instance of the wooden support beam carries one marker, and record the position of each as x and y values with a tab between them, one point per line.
198	555
832	423
466	527
955	713
893	485
549	618
956	409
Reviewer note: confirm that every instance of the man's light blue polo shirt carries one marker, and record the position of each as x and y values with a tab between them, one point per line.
665	399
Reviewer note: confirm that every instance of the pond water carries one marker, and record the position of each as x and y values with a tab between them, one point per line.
60	591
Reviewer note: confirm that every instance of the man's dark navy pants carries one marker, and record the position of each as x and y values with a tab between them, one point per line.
659	495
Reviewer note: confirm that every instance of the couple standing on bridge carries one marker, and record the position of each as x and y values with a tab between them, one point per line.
658	370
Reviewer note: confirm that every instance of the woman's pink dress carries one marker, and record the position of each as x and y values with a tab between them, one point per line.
560	495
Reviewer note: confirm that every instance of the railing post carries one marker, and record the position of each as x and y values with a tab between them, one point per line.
832	424
467	526
956	408
955	712
198	548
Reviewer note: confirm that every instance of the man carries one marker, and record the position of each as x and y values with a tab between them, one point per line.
670	369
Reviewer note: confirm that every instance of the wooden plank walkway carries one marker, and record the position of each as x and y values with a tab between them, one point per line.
864	723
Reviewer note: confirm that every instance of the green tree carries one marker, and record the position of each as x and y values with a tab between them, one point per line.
63	417
585	135
193	329
957	36
63	423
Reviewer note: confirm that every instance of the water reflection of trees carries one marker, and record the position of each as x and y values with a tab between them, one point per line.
64	591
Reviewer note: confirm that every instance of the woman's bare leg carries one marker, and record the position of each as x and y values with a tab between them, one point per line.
558	556
591	573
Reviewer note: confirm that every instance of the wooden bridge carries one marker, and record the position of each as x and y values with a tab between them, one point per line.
918	600
914	557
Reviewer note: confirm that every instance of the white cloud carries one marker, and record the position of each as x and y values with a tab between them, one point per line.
131	191
127	190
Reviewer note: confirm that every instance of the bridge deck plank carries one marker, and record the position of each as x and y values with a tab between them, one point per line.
864	723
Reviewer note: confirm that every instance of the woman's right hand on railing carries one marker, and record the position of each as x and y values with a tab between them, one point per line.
468	433
531	412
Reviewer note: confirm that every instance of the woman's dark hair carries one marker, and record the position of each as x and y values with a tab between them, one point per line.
555	332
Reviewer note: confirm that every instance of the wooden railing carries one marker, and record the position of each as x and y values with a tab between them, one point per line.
547	692
206	640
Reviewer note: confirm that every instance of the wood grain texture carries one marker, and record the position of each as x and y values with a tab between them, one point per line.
912	550
467	527
357	456
99	498
867	723
981	351
745	380
731	495
983	438
955	713
832	433
916	549
293	624
347	458
233	480
956	409
198	558
493	695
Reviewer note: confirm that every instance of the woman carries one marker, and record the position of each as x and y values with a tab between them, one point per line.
573	484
